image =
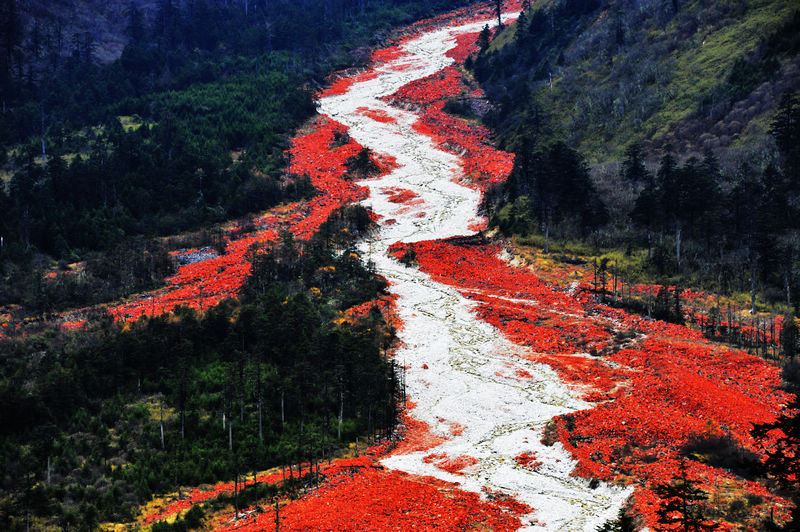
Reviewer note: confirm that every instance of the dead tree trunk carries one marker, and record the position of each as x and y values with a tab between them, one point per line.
341	414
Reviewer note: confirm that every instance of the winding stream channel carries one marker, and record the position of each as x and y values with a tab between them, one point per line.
458	366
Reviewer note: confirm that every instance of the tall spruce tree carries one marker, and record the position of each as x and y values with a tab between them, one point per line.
781	442
682	504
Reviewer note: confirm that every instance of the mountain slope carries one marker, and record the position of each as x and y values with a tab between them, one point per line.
683	115
54	25
707	76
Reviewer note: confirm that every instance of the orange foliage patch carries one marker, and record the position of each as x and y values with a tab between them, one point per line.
363	496
378	115
454	465
657	392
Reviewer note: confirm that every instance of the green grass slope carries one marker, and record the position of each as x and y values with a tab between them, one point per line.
706	76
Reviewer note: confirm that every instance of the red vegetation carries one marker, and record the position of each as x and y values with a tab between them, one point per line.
361	495
451	465
656	386
431	89
528	459
661	386
387	55
386	163
482	164
206	283
195	496
378	115
321	155
465	45
401	195
506	501
417	435
343	84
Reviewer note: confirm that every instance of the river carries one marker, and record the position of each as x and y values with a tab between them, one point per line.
458	366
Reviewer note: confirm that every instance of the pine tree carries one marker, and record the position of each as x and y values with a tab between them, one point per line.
499	9
623	523
682	504
135	30
633	168
786	131
789	337
782	462
484	38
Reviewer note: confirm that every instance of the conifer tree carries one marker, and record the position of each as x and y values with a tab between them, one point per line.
484	37
623	523
682	504
782	462
789	337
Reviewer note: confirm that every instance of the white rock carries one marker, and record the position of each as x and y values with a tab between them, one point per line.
503	416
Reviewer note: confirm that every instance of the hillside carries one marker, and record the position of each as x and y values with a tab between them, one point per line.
54	29
240	290
662	136
707	76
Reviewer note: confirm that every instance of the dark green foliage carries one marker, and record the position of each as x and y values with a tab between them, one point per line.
732	237
599	75
667	305
723	451
532	57
459	107
195	42
191	520
95	201
782	464
623	523
748	73
361	165
730	230
633	168
550	187
133	265
786	131
278	367
791	374
682	504
409	257
11	34
746	76
484	38
678	199
788	337
209	93
611	74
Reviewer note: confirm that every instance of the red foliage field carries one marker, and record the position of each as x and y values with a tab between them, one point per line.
655	388
377	114
482	163
321	155
361	495
656	391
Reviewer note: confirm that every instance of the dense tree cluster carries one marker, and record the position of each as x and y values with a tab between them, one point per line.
731	227
540	35
95	422
548	188
162	177
187	128
733	230
604	74
134	265
740	226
